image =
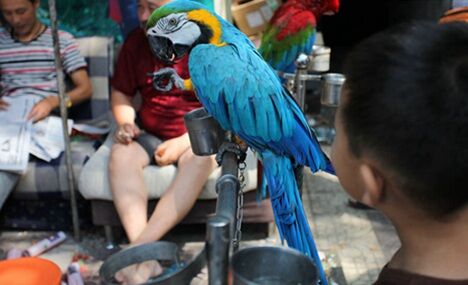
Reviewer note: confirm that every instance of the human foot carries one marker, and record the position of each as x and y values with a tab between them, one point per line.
138	273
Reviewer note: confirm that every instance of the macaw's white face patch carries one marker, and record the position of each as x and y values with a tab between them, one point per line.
176	27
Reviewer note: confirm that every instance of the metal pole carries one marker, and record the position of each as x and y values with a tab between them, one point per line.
227	187
223	8
64	116
217	250
221	227
300	83
228	4
228	190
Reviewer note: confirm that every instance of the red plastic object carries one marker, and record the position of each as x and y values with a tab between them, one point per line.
29	271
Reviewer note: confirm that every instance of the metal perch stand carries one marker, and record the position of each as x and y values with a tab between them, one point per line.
223	230
64	116
221	227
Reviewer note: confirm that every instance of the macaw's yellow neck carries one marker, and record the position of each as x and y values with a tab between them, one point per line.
209	20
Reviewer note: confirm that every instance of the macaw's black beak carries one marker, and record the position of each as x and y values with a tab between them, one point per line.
165	50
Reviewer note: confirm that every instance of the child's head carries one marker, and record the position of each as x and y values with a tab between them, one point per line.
403	118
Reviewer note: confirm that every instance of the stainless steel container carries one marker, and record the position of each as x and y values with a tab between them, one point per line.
271	265
331	89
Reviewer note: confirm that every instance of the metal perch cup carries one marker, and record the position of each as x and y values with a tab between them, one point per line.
206	135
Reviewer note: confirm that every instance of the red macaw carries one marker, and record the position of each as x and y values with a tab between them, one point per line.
291	31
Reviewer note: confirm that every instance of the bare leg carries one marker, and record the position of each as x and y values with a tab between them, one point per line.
179	198
193	171
130	196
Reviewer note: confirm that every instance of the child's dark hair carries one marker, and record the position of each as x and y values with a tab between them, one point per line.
408	107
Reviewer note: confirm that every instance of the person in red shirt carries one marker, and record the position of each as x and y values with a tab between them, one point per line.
154	134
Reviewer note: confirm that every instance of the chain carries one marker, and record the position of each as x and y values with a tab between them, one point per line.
240	205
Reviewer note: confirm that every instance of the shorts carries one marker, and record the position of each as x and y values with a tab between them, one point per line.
148	141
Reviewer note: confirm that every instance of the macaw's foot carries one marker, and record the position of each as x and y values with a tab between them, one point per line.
235	148
139	273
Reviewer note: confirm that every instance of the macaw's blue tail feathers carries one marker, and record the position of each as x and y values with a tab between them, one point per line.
262	191
329	167
290	217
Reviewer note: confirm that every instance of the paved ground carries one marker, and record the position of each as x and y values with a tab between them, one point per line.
355	243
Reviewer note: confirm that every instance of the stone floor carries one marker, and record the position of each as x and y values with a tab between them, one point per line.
355	244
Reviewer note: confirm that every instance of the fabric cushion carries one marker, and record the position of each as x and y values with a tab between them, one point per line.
93	181
98	53
49	179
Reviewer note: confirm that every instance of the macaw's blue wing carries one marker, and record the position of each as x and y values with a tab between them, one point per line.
245	96
239	89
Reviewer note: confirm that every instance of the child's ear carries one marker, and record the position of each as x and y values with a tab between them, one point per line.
373	183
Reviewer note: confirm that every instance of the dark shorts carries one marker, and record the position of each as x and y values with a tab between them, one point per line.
148	141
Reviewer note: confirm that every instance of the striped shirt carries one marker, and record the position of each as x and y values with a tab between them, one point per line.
29	68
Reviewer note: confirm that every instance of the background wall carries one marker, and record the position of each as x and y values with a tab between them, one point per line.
354	22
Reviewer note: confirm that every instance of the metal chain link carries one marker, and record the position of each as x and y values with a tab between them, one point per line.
240	206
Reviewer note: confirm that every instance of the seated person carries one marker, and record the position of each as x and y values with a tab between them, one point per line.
401	145
155	134
27	43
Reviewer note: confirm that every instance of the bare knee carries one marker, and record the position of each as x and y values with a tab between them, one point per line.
126	157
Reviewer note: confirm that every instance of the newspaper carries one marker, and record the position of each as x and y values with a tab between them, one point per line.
19	137
15	133
14	144
47	138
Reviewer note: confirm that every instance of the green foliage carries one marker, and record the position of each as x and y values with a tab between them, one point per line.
82	18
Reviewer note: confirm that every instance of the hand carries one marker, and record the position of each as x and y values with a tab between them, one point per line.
165	78
40	110
125	133
138	273
3	105
171	150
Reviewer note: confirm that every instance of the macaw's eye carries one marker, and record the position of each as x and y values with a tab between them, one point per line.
172	22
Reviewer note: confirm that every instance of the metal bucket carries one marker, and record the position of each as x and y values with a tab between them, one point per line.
331	89
273	266
206	135
178	271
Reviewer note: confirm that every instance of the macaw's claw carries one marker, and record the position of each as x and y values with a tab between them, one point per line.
238	150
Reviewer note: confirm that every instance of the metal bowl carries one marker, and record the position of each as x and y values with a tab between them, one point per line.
273	266
331	89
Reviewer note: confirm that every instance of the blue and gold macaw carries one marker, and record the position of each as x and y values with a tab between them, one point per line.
240	90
